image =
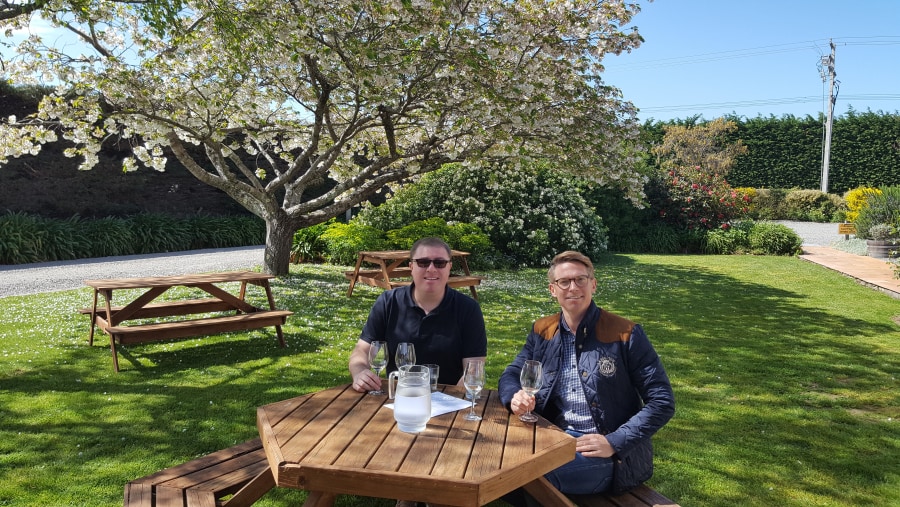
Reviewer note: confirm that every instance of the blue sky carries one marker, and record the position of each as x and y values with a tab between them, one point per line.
759	57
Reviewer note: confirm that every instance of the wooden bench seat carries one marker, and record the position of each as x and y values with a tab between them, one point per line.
453	281
241	471
196	327
167	308
641	496
397	272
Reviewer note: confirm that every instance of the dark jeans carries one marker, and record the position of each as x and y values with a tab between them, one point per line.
581	476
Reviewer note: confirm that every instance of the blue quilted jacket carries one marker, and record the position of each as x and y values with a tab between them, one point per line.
624	381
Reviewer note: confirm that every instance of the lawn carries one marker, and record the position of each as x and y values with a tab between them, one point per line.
785	376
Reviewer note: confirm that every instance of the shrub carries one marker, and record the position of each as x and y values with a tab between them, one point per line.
730	240
344	241
662	239
811	205
308	246
700	199
855	199
460	236
769	204
881	207
155	232
63	240
109	236
20	238
226	231
767	238
882	232
529	215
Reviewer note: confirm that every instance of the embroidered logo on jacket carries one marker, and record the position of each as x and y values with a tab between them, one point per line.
606	366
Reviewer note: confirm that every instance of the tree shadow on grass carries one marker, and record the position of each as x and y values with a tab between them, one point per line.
771	389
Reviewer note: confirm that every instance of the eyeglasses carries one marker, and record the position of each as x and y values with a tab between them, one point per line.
438	263
565	283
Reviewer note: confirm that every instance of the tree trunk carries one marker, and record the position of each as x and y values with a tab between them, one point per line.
279	239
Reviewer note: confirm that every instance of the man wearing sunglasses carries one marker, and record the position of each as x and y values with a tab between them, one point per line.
603	383
445	326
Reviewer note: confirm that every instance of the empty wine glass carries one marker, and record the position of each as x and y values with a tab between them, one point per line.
531	378
473	379
405	355
377	361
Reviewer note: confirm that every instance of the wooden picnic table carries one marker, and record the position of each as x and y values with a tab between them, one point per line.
110	318
389	272
338	441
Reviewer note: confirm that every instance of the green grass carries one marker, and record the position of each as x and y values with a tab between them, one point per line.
785	376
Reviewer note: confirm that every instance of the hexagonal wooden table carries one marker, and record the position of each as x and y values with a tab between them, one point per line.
338	441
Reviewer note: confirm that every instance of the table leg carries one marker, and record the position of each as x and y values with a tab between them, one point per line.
242	295
93	319
265	284
115	354
465	266
546	494
355	276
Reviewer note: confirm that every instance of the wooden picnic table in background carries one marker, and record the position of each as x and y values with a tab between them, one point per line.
109	318
391	273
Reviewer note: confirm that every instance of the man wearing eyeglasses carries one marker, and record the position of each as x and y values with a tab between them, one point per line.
603	383
445	326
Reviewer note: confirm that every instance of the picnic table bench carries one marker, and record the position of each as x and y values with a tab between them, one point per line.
110	318
233	477
389	274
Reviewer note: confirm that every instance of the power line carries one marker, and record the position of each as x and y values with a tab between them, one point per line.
751	52
762	102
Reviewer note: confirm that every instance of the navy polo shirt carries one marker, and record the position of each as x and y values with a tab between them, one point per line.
454	330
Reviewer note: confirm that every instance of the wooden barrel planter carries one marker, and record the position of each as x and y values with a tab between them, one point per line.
881	249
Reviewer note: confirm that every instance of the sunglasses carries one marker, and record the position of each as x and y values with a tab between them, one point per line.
438	263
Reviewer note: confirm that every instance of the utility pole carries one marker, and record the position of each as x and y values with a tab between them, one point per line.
828	65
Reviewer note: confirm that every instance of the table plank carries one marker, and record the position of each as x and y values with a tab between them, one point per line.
187	280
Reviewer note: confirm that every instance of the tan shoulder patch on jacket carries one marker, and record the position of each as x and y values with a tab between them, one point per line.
613	328
547	326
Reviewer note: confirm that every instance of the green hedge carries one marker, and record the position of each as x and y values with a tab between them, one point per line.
786	152
27	238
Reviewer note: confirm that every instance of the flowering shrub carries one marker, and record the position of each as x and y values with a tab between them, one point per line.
529	215
856	199
881	207
700	199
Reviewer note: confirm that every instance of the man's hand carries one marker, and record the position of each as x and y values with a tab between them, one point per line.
365	380
594	445
521	403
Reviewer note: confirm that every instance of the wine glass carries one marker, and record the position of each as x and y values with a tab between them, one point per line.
406	354
531	379
473	379
377	361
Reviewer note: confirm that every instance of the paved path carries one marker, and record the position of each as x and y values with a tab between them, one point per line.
868	271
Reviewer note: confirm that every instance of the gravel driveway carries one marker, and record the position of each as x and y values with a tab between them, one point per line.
814	233
22	279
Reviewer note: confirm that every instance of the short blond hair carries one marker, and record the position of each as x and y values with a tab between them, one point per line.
569	256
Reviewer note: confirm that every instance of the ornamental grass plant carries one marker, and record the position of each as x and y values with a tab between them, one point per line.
785	376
